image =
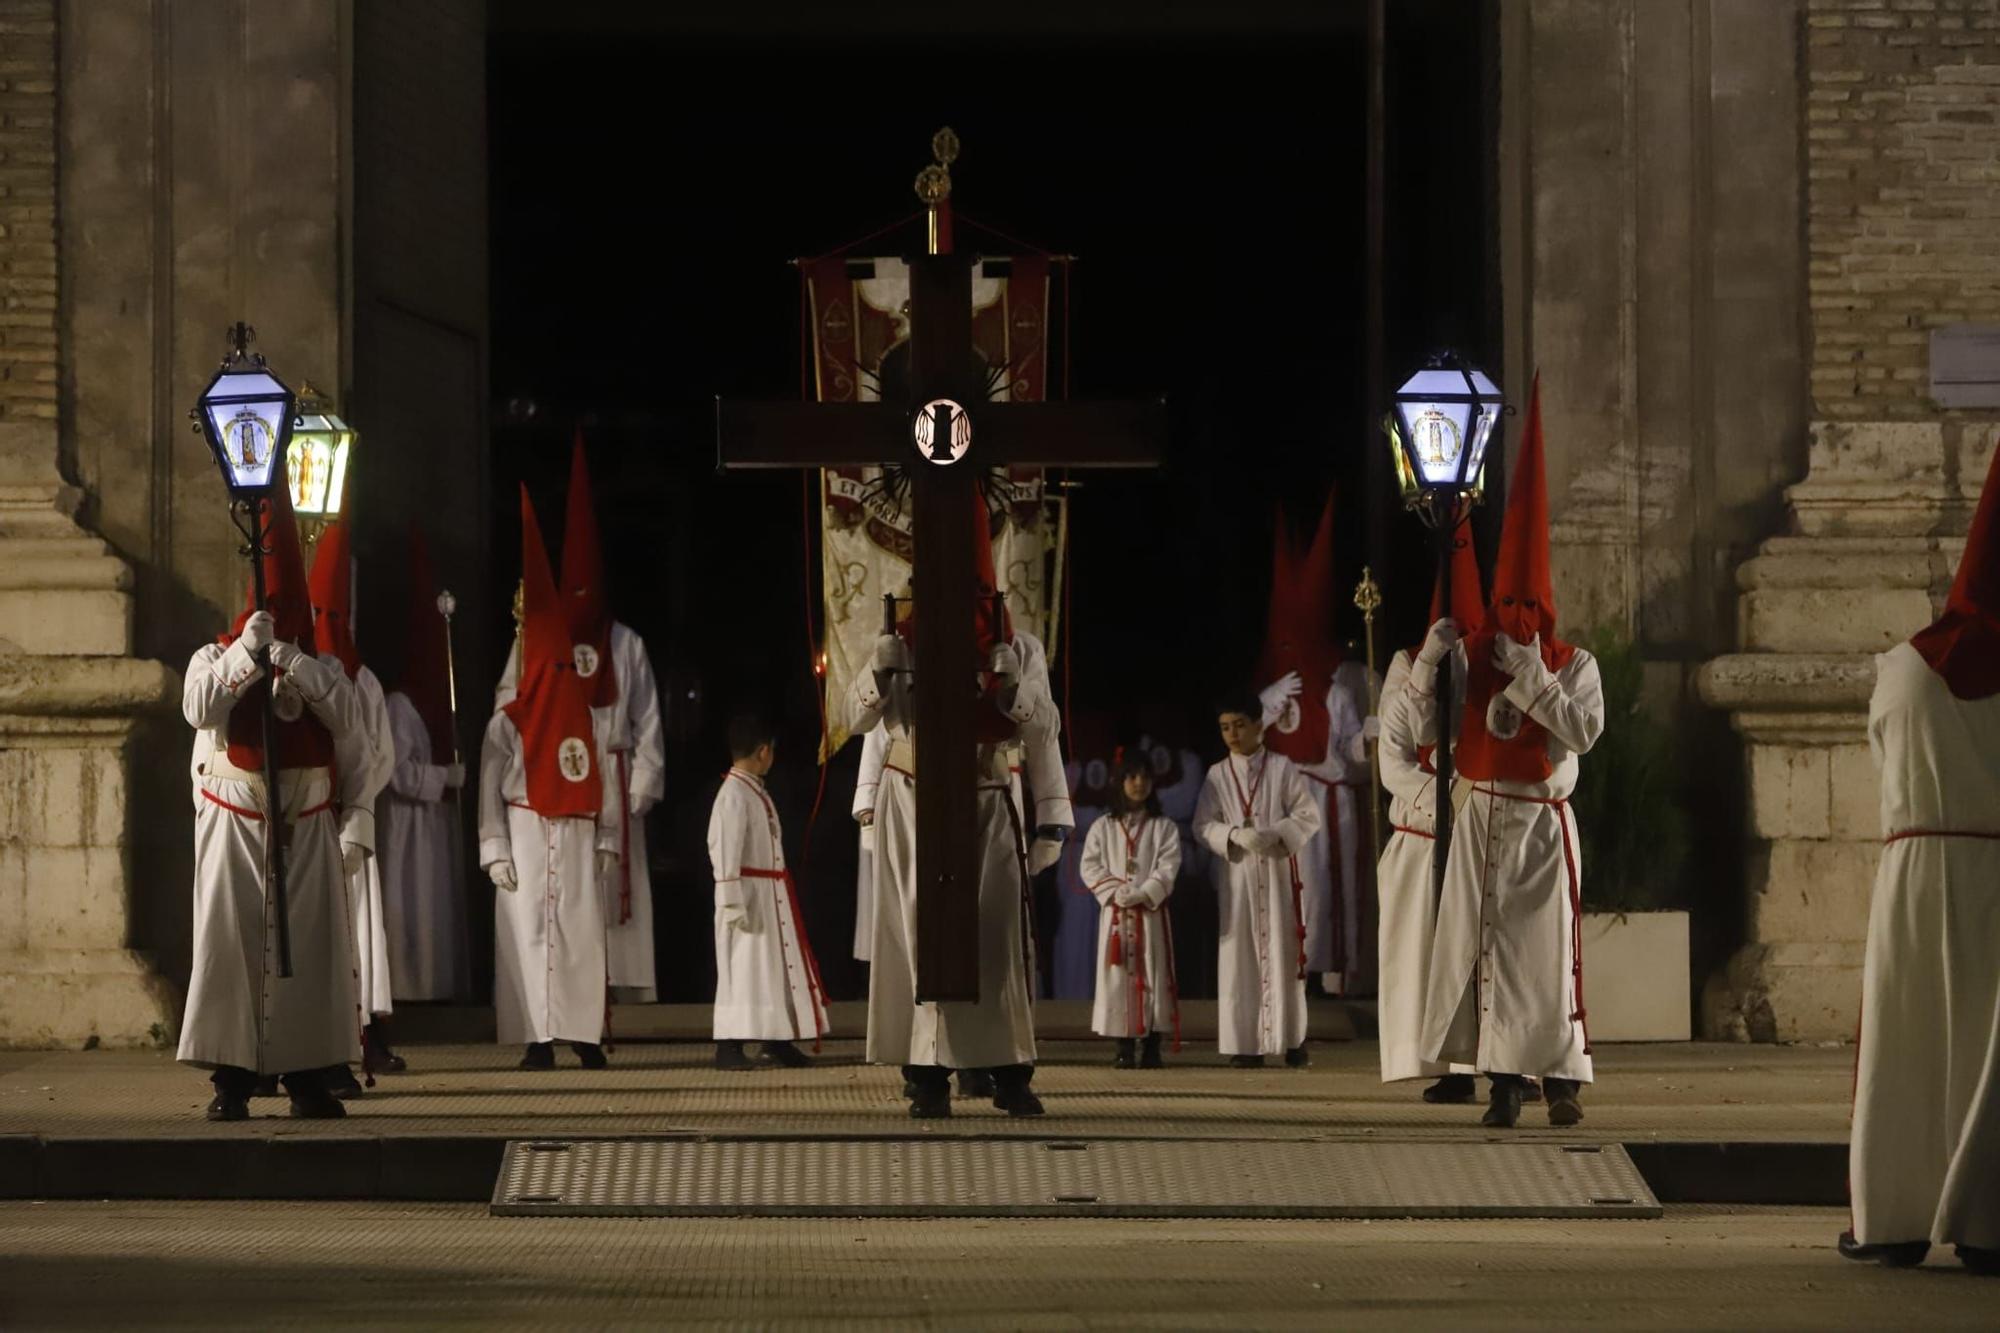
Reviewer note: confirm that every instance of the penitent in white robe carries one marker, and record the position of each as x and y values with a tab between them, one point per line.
1139	857
1260	982
549	980
423	897
633	737
874	750
240	1012
362	763
997	1029
1924	1163
1328	864
1405	882
766	983
1502	992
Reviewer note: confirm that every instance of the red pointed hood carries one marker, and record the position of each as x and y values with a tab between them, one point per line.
1522	606
1468	598
332	586
1963	644
586	601
551	706
426	681
1299	636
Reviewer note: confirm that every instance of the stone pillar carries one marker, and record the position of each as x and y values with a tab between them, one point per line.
71	696
1873	540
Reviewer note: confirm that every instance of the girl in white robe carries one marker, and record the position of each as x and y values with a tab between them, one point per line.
1255	815
1131	857
766	981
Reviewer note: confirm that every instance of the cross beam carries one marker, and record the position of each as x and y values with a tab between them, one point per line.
821	435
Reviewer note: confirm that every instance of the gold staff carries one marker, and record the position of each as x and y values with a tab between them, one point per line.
1368	598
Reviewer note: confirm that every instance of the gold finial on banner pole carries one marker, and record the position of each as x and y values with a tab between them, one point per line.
1368	600
934	188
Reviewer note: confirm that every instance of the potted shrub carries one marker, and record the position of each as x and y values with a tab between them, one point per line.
1633	826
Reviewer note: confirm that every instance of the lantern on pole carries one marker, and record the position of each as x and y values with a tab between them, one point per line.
316	462
1442	419
247	414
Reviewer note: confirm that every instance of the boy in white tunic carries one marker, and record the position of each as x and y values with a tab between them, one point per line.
1924	1163
766	981
1505	991
1131	857
423	897
362	762
548	834
243	1020
1254	815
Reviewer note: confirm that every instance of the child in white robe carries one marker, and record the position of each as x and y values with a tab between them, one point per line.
1131	857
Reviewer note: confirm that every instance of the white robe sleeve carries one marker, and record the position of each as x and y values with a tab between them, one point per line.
1095	865
1343	738
363	762
639	696
216	679
866	701
1211	824
1041	731
339	709
497	752
874	753
1165	839
727	829
1422	698
1300	819
1402	774
1569	705
414	777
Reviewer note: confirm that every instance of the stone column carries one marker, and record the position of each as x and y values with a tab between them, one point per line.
71	696
1872	543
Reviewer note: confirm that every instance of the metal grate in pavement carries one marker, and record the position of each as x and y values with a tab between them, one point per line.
1060	1178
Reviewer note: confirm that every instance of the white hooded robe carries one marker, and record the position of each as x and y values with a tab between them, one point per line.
766	982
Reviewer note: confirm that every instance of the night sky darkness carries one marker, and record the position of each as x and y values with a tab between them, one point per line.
649	186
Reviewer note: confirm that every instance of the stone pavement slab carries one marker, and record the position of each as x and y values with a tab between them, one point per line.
334	1265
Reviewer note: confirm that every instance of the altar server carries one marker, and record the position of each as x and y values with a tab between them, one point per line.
1131	857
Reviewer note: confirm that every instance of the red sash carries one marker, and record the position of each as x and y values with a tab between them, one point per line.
814	990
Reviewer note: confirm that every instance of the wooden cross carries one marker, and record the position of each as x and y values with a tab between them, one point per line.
942	486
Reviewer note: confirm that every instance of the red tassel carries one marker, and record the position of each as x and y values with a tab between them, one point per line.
1114	955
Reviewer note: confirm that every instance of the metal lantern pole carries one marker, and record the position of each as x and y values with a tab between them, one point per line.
274	813
1441	757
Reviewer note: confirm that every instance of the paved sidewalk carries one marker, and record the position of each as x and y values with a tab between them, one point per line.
328	1265
1663	1093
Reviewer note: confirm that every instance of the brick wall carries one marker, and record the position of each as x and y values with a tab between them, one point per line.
1903	192
27	209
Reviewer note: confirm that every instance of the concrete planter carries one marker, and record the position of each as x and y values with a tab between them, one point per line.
1635	976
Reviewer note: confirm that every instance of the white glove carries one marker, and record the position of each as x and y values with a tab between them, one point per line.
259	631
311	677
1443	637
1270	844
502	875
1371	729
352	857
865	818
1043	853
1276	695
454	776
1522	661
607	867
1246	839
643	805
734	916
1006	663
1126	895
891	654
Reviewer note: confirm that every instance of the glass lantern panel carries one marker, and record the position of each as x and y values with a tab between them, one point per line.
336	482
246	414
309	470
1435	436
1438	380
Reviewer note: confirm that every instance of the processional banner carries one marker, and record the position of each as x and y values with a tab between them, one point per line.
859	313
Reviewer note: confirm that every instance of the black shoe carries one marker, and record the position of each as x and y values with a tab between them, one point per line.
380	1059
1149	1053
311	1098
1890	1254
267	1086
1531	1091
909	1090
1296	1058
1564	1108
539	1055
340	1083
589	1054
976	1083
1503	1108
785	1055
729	1055
1128	1054
931	1103
1246	1062
228	1106
1020	1102
1452	1090
1982	1263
